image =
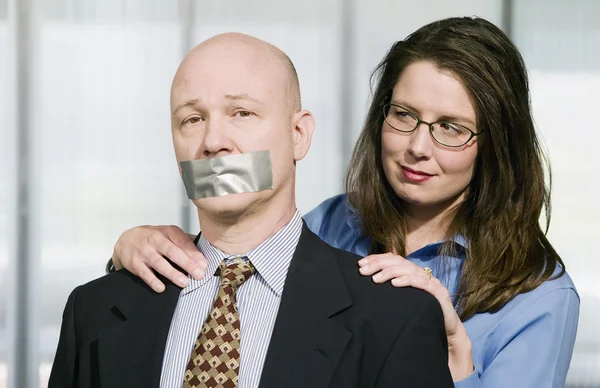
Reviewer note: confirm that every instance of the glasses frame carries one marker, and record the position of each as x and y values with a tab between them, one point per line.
388	105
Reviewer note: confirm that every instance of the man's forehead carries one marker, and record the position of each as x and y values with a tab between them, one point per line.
229	85
232	70
230	88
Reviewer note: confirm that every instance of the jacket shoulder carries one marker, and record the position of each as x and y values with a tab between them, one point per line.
97	297
375	298
367	292
112	284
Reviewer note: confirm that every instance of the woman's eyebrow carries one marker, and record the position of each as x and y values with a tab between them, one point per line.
444	117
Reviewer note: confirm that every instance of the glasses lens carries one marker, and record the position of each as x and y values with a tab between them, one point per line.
399	118
451	134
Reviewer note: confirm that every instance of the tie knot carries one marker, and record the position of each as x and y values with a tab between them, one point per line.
236	273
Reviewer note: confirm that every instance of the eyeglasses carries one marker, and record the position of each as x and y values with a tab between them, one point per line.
446	133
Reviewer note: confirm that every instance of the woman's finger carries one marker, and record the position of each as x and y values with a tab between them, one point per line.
367	259
148	276
162	266
172	250
414	280
376	264
186	243
391	272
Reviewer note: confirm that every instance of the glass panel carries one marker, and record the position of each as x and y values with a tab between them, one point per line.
7	141
561	47
3	10
102	151
110	11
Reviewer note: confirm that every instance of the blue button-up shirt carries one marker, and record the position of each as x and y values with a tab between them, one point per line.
527	343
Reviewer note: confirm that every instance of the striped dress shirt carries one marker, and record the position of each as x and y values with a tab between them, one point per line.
258	302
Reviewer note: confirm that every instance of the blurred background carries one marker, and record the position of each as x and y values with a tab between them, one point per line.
86	147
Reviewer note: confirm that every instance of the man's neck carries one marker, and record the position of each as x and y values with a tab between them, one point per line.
248	231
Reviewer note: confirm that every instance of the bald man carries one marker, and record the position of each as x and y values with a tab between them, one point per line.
295	312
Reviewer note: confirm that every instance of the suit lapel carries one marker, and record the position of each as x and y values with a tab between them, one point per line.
131	352
306	344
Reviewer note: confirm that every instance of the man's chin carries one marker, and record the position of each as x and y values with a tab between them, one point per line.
228	206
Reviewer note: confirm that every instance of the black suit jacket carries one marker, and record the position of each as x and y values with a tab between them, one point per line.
334	328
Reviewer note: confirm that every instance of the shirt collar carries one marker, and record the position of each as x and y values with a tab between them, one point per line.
432	250
353	220
271	258
460	240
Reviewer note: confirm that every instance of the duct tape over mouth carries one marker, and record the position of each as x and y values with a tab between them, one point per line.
231	174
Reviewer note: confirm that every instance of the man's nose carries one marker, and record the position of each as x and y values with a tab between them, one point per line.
421	143
217	140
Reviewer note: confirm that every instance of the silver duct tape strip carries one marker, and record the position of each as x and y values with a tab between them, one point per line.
232	174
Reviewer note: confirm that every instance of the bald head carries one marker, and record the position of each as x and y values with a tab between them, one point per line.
235	94
249	51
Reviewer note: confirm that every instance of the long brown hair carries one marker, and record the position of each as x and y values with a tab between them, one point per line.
508	252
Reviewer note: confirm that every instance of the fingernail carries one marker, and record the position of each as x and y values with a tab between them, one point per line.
159	288
398	283
364	269
183	281
198	273
362	261
376	277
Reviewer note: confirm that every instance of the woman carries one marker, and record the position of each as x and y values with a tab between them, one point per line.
447	179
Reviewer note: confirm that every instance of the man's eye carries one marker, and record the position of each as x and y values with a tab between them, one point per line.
244	113
193	120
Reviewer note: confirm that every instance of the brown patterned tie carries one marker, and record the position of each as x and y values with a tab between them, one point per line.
215	359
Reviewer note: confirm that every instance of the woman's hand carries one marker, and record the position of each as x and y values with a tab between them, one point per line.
404	273
142	248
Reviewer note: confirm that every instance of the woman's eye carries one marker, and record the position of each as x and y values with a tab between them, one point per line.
400	112
450	127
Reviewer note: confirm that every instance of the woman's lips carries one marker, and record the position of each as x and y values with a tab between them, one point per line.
415	175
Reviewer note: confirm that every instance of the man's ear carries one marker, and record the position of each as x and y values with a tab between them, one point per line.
304	125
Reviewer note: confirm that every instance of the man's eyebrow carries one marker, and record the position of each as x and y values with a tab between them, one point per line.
242	96
185	104
233	97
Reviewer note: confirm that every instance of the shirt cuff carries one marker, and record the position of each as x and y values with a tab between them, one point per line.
472	381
